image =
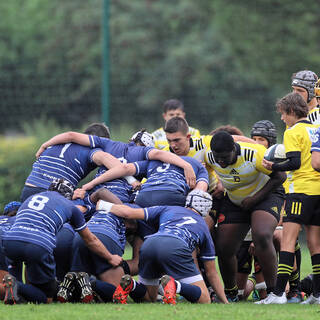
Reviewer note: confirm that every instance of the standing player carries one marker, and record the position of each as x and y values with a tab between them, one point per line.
303	83
251	200
302	196
171	108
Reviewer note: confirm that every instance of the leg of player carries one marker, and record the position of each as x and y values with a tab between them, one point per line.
263	225
229	239
313	241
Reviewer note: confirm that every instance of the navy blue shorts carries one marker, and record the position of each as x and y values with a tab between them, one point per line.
85	260
63	251
40	264
161	255
160	198
28	191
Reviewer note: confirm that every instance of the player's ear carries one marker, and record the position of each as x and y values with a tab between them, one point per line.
189	135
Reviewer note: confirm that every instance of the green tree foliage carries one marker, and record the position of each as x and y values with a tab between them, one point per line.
228	60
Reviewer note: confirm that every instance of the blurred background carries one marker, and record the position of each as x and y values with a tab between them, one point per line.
65	64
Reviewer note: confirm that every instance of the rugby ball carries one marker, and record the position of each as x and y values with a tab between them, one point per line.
275	153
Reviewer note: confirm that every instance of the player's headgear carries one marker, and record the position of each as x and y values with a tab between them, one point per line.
266	129
62	186
317	89
305	79
11	206
144	138
199	200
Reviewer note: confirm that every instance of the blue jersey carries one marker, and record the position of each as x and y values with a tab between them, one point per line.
6	223
316	142
184	224
69	161
109	225
125	152
41	216
165	176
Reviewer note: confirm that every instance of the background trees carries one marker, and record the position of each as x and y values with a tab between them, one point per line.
227	60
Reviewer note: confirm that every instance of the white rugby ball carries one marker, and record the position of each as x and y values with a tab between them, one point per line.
275	153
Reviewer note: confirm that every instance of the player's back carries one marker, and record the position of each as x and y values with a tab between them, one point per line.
41	216
70	161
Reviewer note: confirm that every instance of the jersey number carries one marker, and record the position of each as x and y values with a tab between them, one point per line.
38	202
164	167
64	149
188	220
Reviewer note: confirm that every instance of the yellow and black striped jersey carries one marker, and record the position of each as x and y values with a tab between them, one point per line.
314	115
160	138
299	138
198	150
246	176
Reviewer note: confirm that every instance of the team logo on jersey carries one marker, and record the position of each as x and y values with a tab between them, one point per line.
234	171
275	209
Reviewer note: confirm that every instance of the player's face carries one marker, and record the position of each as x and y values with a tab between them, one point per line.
224	159
302	91
179	143
173	113
261	140
288	119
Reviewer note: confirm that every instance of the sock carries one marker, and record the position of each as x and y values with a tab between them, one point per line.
232	292
315	260
138	292
285	267
294	280
190	292
297	253
31	293
103	289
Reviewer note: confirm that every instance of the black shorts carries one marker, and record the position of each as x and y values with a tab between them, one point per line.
244	258
231	213
302	208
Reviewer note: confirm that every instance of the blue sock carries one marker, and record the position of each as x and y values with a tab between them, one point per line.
104	289
138	292
190	292
31	293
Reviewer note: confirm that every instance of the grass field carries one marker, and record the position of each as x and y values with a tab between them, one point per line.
183	310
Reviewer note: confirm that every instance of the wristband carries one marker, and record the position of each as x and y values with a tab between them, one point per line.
104	205
130	179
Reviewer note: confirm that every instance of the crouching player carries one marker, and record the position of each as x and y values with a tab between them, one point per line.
170	252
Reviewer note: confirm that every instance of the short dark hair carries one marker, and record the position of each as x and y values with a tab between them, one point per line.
222	141
176	124
229	128
172	104
293	103
98	129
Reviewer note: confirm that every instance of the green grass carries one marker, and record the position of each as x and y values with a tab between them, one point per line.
247	311
183	310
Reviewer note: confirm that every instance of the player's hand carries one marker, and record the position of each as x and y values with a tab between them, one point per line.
267	164
248	203
87	186
40	150
79	193
190	176
218	191
136	185
115	260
